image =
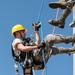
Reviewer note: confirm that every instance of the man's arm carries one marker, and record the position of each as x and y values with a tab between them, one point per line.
23	48
37	38
36	27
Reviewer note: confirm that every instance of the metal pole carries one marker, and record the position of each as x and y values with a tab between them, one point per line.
74	44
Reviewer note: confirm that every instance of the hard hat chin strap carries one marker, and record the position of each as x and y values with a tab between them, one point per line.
21	34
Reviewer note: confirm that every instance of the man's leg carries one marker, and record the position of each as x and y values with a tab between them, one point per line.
62	50
61	21
47	51
57	38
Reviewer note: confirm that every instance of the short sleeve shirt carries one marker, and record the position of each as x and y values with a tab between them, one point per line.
14	43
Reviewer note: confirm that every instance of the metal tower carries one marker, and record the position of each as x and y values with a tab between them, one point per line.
74	45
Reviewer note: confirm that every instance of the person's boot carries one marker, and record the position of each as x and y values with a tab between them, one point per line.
59	4
60	22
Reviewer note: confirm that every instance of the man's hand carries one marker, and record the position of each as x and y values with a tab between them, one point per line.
36	26
42	45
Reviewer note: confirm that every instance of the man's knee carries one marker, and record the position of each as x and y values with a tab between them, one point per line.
49	37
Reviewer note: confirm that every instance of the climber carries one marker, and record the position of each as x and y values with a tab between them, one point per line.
22	47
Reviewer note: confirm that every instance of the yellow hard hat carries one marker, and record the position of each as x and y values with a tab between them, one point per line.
18	27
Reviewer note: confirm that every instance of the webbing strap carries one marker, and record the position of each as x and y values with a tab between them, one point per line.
44	70
41	27
16	67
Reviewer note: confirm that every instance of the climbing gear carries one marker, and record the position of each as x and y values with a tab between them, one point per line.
36	26
40	11
59	4
18	27
28	41
28	62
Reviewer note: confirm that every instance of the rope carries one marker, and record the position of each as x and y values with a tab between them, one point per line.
41	31
44	70
40	11
56	19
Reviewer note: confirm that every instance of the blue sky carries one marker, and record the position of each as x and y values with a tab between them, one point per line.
26	12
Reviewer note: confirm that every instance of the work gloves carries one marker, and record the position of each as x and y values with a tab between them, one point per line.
41	45
36	26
